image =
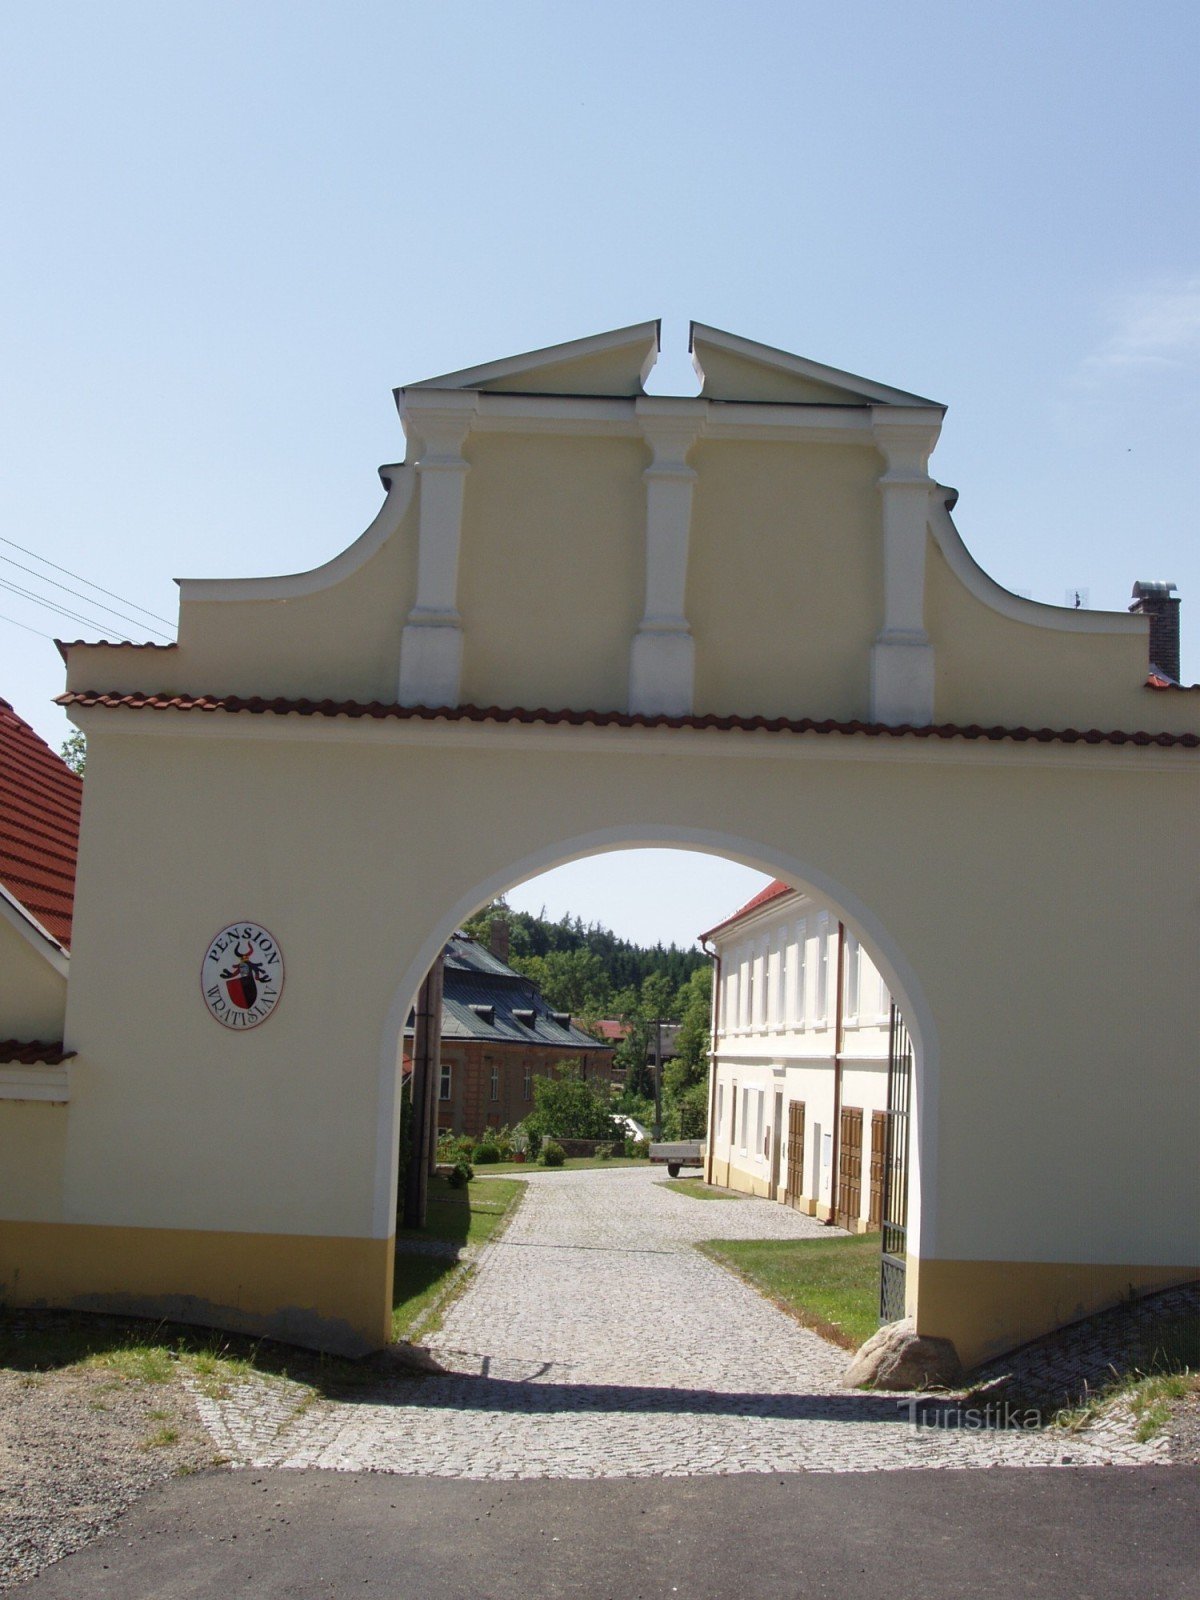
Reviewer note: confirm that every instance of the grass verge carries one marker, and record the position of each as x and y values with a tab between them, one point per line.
699	1190
830	1285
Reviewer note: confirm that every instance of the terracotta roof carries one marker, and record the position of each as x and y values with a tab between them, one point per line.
380	711
33	1053
773	891
1159	680
609	1028
63	645
40	799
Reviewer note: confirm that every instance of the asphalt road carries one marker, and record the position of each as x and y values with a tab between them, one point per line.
1044	1533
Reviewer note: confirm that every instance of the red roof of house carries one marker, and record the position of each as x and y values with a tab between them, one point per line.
610	1028
774	891
40	799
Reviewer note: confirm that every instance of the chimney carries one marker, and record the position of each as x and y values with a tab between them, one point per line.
1155	600
498	937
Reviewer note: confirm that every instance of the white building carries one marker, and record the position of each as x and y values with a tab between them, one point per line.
791	1068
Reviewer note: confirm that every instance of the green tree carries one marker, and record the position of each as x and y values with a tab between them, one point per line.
570	980
74	751
569	1107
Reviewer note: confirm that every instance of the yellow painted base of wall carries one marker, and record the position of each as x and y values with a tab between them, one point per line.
727	1176
327	1294
990	1307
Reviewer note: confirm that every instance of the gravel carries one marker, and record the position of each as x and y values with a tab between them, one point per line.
76	1451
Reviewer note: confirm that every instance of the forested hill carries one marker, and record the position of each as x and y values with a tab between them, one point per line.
586	968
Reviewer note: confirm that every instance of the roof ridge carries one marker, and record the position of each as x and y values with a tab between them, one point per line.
708	721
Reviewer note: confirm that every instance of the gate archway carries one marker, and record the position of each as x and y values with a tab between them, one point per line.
587	616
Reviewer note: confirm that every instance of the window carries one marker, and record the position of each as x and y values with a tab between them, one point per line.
821	1009
800	1010
444	1085
720	1110
852	975
527	1085
495	1085
767	962
748	1019
784	1000
745	1116
758	1132
733	1113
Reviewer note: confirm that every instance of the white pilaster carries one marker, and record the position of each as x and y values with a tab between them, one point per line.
432	641
662	658
902	656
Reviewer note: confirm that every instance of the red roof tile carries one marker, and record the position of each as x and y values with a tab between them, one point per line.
33	1053
256	705
63	645
40	799
775	890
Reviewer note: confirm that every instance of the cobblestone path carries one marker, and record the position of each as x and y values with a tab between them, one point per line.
594	1341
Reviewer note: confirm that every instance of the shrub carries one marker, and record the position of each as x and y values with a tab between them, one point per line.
636	1147
604	1152
553	1154
486	1154
460	1175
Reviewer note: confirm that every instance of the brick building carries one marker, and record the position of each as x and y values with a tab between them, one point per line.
498	1034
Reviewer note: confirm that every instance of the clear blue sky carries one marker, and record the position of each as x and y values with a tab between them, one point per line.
232	228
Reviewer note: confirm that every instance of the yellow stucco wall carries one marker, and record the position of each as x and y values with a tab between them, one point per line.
994	669
33	1151
33	996
800	647
551	571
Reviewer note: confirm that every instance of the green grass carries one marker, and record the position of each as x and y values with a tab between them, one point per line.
571	1164
130	1350
699	1190
425	1285
830	1285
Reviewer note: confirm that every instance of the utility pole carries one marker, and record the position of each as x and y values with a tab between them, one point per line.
657	1079
426	1076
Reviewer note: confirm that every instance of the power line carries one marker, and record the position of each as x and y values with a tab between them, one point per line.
27	628
79	578
87	598
51	605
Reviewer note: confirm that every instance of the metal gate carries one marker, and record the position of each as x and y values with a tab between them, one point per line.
895	1172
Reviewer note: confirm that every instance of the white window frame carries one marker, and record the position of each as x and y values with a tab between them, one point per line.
445	1082
494	1086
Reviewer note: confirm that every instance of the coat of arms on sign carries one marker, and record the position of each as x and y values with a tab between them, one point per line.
241	976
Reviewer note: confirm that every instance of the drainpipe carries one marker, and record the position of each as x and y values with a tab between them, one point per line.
715	957
838	1032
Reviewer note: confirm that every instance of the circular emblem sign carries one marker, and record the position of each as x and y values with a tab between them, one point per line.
242	975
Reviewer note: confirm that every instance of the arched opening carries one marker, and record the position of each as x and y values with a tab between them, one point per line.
858	926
